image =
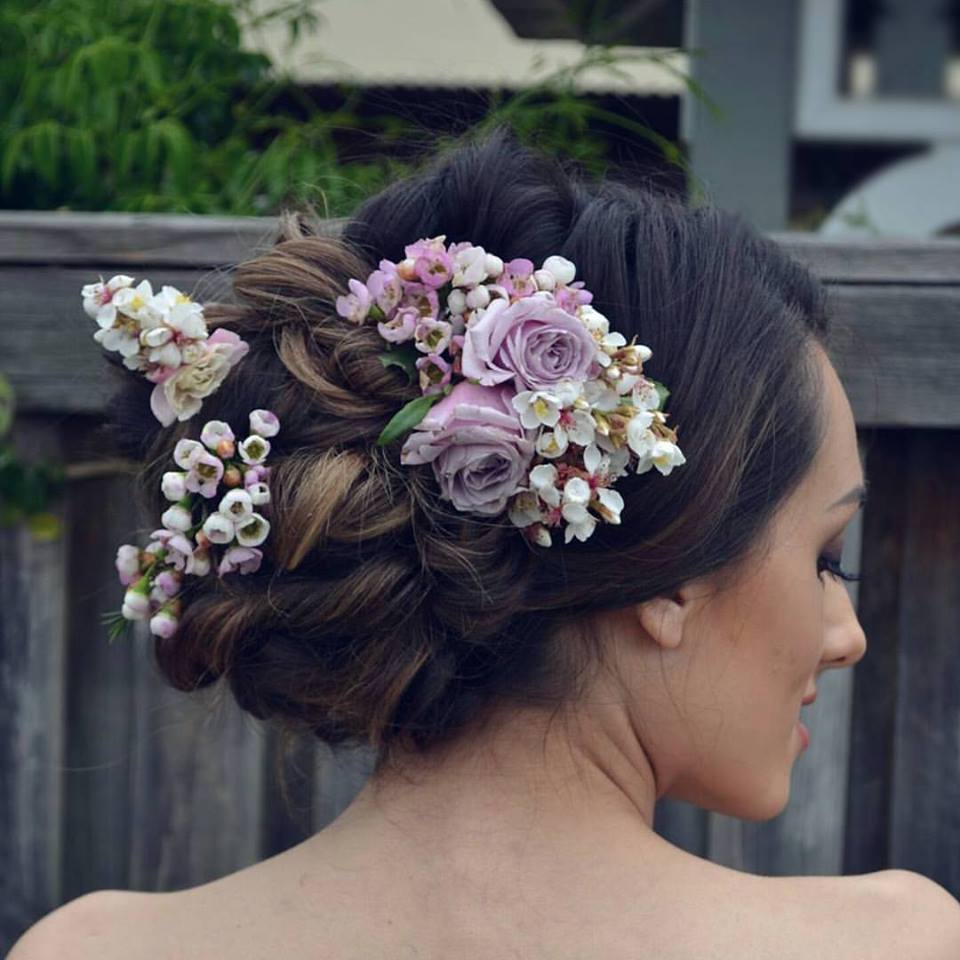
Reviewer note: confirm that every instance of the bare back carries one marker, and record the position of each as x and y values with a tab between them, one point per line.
321	900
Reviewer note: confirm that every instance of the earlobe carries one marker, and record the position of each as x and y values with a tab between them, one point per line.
663	618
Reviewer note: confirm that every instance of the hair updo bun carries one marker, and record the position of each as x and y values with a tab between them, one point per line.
380	613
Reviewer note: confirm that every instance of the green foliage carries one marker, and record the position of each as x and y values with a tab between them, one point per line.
26	490
155	106
407	417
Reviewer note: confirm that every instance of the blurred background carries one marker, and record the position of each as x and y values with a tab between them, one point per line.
160	138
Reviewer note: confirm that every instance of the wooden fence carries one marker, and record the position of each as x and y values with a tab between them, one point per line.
110	780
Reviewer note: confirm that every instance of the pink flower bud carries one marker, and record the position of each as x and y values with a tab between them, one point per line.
226	449
232	477
163	624
128	563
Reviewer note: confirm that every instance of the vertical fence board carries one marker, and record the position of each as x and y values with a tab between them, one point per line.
926	784
33	584
197	783
870	774
101	516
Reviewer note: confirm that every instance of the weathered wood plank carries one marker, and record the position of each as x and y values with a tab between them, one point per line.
111	241
867	830
900	366
33	585
879	260
100	516
197	794
926	776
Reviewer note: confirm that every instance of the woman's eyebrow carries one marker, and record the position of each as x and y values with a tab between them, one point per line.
857	495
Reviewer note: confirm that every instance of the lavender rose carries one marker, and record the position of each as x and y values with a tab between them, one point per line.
479	449
532	341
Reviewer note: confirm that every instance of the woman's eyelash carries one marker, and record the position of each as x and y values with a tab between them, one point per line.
832	566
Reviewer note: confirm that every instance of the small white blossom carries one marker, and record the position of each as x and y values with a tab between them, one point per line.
551	443
252	530
156	336
198	563
166	356
128	563
645	395
478	298
457	302
213	432
259	493
524	509
666	456
186	452
543	479
470	267
583	429
121	341
493	265
563	269
264	423
98	299
186	317
601	396
237	504
254	450
639	436
176	518
541	536
136	604
163	624
544	279
593	320
218	528
137	302
609	504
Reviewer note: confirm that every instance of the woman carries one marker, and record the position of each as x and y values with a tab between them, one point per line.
530	699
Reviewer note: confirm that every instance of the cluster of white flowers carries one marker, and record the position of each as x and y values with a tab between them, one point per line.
190	531
164	335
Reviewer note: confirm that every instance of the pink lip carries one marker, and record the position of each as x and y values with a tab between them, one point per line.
804	734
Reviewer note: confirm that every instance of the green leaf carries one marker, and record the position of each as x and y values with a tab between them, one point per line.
399	358
663	391
406	418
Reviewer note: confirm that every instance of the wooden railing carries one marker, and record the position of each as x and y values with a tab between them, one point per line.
110	780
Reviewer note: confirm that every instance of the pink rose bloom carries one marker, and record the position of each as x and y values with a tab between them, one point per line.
532	341
479	449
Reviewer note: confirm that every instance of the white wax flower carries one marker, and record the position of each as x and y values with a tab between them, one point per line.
177	518
218	528
252	530
563	269
237	504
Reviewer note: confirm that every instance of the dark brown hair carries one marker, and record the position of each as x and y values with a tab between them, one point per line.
383	615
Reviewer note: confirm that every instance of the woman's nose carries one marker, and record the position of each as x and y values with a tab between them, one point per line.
845	642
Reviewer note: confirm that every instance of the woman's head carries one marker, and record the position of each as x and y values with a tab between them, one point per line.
383	614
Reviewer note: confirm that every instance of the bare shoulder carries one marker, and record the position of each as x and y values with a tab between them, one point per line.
886	915
107	924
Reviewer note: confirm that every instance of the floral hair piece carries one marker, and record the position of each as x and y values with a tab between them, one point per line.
213	522
529	402
218	497
165	336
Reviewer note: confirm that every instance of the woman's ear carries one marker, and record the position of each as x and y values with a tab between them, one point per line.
665	618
